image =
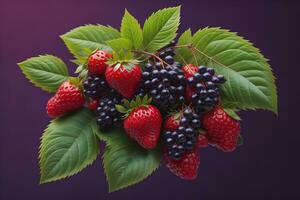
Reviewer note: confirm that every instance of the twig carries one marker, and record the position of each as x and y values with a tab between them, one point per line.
152	55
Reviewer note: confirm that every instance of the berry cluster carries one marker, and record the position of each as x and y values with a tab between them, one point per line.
166	85
184	138
95	86
204	86
106	113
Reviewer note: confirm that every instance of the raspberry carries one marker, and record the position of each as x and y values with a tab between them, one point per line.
187	167
222	130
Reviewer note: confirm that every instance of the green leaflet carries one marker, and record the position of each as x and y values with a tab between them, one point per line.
89	37
122	49
184	54
125	162
67	146
46	72
250	81
160	28
131	30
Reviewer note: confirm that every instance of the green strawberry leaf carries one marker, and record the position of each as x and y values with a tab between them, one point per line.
160	28
46	72
184	54
121	108
90	37
125	162
131	30
232	113
122	49
68	145
250	81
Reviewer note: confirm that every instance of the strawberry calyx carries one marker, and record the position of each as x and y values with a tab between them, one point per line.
128	106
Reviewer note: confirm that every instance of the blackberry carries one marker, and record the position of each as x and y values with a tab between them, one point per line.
94	86
167	54
165	85
106	113
185	137
205	87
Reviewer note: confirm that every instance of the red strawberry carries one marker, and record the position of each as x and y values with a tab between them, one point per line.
189	70
125	81
96	62
67	98
221	129
171	123
187	167
202	141
144	125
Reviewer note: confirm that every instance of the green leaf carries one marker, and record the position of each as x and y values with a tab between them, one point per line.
121	108
68	145
160	28
232	113
126	163
131	30
184	54
250	81
90	37
47	72
121	46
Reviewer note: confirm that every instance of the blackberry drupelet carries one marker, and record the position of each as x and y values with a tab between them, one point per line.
205	88
185	137
165	84
94	86
106	113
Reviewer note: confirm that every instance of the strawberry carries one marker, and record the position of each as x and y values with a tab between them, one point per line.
97	62
187	167
222	130
202	141
124	80
67	98
171	123
144	124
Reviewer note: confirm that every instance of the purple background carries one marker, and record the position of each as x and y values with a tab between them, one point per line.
266	167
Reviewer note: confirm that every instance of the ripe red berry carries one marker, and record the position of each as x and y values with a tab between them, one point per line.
67	98
171	123
93	104
97	62
221	129
187	167
124	80
144	124
202	141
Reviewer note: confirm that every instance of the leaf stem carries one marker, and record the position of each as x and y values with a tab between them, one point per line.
152	55
193	48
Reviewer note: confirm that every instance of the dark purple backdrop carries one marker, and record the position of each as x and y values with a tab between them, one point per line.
266	167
